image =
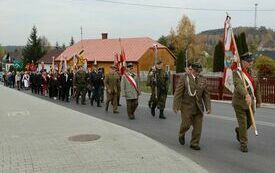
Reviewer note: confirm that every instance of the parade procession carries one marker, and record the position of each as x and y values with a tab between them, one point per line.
137	104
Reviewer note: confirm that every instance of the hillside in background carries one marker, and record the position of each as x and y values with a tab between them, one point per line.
262	37
12	48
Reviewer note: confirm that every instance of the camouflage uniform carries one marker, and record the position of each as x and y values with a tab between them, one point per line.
160	82
81	85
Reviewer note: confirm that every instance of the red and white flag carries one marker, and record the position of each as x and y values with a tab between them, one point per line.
232	59
122	59
230	55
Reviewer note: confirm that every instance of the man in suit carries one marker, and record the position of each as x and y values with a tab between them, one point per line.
66	82
95	82
191	98
129	90
112	83
243	98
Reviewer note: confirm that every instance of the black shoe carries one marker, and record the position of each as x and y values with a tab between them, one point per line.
115	112
153	113
182	140
119	104
83	103
131	118
162	117
77	102
244	149
237	134
99	105
107	106
195	147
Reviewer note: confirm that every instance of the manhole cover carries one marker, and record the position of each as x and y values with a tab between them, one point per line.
84	138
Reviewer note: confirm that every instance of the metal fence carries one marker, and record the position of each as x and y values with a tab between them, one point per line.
218	92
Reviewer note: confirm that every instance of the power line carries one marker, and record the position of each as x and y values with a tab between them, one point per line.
180	8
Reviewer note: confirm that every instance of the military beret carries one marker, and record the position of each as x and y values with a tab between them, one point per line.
113	67
159	62
247	57
129	65
196	66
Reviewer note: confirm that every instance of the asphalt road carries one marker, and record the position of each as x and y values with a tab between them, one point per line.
220	151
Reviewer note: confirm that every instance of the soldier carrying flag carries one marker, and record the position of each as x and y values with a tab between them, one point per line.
245	92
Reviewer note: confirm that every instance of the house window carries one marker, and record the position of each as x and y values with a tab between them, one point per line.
167	68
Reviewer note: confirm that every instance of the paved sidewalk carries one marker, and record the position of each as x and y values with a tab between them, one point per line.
34	139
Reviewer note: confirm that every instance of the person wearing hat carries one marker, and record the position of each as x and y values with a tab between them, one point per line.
161	84
81	85
191	98
130	90
112	83
242	98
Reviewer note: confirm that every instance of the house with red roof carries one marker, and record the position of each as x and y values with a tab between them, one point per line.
47	59
139	51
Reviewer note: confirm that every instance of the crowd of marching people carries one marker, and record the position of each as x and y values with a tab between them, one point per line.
191	96
69	85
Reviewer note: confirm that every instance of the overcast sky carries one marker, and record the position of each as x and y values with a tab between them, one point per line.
58	20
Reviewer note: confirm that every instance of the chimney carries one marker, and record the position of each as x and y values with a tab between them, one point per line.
104	36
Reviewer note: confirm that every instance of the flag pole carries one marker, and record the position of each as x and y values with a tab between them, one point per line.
244	83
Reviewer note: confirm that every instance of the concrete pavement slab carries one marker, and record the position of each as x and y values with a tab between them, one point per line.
34	139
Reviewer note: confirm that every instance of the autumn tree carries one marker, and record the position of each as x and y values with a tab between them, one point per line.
184	40
265	66
2	51
45	44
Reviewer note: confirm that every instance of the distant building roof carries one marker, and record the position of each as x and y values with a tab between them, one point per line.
104	49
269	53
47	58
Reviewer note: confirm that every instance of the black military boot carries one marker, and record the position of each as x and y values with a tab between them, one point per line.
182	140
244	148
153	112
195	147
98	104
161	116
237	134
107	106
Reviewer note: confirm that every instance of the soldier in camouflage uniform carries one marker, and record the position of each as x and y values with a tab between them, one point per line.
151	83
159	85
81	85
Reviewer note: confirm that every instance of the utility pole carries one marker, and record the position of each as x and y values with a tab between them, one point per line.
81	32
186	58
255	17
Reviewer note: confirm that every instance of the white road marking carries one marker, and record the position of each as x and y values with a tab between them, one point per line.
18	113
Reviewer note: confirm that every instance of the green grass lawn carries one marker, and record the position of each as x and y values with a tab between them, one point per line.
144	88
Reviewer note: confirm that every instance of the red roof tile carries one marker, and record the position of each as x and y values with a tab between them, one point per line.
104	49
47	58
